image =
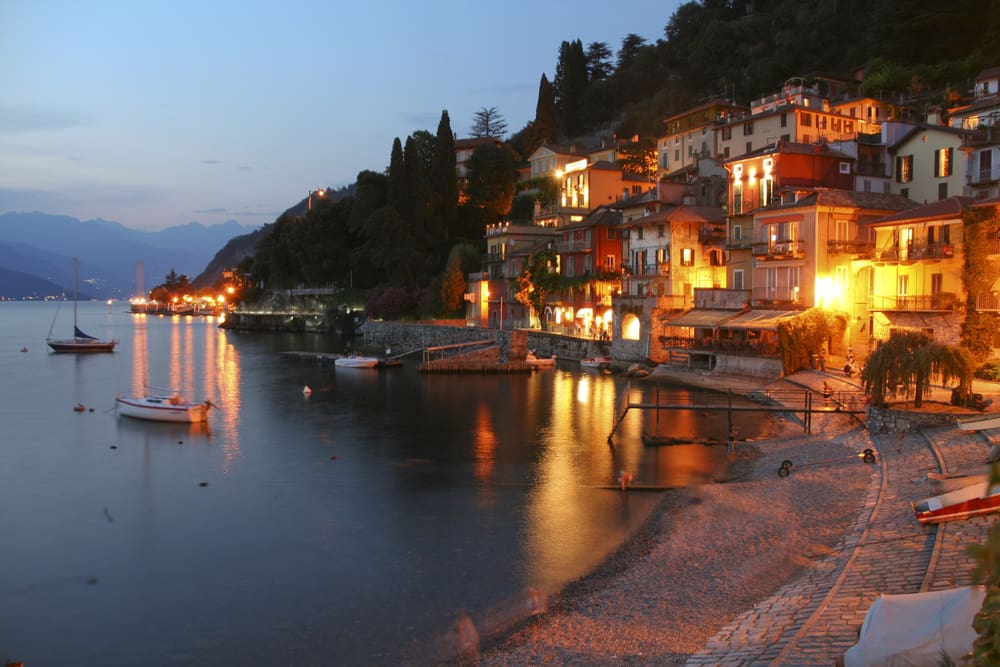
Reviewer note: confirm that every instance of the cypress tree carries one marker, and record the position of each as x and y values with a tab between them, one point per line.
444	180
398	193
544	127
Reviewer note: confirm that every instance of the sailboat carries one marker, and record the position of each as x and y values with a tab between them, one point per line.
80	342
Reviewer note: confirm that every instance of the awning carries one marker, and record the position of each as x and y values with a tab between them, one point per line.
760	319
938	322
701	317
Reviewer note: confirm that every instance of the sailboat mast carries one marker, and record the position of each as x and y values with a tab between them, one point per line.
76	278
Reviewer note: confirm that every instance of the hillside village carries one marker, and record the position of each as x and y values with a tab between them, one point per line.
810	197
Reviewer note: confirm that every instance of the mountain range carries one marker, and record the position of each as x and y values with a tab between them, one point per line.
36	251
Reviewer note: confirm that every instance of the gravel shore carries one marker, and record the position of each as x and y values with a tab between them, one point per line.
707	554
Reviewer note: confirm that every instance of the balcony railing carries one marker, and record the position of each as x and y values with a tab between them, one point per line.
788	296
988	302
571	246
985	176
711	234
743	347
859	248
872	169
662	302
917	251
779	250
943	301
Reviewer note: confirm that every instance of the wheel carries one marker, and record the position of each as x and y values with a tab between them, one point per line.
869	456
786	464
783	471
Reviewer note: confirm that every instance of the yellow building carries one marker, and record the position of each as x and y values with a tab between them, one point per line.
917	271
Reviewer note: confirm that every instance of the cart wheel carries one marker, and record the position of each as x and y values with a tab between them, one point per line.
783	471
786	464
869	456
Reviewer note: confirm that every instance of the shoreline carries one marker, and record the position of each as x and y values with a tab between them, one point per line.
673	585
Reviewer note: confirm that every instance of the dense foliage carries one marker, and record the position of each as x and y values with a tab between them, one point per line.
803	336
906	362
396	228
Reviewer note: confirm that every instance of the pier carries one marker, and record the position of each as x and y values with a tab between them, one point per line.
807	402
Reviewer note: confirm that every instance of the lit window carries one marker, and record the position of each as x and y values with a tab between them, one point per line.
904	168
942	162
687	256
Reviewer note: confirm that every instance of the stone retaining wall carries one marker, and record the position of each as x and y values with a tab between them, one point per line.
887	420
402	337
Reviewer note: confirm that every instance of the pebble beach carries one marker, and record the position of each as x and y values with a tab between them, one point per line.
742	570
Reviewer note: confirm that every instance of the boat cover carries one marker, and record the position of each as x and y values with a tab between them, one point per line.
79	334
916	629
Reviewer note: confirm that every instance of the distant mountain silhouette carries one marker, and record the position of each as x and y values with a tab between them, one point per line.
18	285
43	245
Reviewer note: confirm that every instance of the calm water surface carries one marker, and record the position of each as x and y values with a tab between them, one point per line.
351	526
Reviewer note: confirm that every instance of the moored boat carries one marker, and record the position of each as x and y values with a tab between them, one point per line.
979	423
80	342
972	500
595	362
162	409
541	362
356	361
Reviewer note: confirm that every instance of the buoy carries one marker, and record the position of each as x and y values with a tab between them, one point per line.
24	349
78	407
306	390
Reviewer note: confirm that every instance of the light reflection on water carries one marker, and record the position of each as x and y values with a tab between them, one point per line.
379	506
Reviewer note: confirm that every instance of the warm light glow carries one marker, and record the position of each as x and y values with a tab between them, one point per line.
825	292
576	166
230	290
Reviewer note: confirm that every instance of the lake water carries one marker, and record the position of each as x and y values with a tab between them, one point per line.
350	526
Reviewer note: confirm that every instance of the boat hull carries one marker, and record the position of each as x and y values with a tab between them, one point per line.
355	362
160	409
979	423
962	503
82	345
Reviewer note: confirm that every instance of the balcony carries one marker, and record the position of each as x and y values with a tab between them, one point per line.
917	251
783	296
985	176
663	302
712	234
942	301
872	169
988	303
859	249
571	246
779	250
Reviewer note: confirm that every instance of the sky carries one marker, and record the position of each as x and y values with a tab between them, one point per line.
154	114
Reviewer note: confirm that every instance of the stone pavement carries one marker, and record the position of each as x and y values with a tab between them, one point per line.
814	619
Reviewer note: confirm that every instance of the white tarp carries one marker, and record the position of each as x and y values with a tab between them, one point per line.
917	629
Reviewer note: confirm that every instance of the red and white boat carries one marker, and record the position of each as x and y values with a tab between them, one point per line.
163	409
972	500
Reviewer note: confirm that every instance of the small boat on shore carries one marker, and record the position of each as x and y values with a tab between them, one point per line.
972	500
356	361
163	409
979	423
596	362
539	362
944	482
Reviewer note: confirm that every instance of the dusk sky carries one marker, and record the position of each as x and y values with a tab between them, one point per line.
154	114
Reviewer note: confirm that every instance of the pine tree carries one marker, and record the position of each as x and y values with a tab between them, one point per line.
488	123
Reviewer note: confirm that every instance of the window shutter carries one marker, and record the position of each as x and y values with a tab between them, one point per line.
937	163
899	169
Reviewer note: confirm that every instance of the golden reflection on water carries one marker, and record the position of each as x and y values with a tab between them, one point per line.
558	507
219	379
485	454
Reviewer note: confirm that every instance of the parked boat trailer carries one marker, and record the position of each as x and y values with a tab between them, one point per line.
868	456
